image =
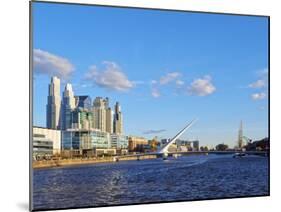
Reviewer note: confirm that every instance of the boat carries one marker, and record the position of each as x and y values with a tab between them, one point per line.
239	155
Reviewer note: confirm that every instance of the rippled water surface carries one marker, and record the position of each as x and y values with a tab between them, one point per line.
184	178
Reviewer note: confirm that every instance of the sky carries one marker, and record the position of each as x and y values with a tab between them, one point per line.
164	68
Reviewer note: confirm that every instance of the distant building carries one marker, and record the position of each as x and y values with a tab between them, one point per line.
119	141
118	120
195	145
136	143
82	119
187	145
87	142
99	109
163	142
46	142
153	145
262	144
109	120
53	107
84	102
68	105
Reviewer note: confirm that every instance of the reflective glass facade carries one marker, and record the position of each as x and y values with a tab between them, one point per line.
119	141
85	139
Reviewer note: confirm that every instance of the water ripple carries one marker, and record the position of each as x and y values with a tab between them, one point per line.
185	178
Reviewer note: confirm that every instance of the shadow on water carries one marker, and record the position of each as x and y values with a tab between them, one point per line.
23	206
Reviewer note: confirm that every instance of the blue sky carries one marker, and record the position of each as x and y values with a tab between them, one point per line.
165	68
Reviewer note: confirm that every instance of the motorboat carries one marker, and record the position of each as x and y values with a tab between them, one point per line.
239	155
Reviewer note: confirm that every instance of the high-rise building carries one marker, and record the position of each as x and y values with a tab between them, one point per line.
109	120
99	109
82	119
118	120
53	104
68	105
84	102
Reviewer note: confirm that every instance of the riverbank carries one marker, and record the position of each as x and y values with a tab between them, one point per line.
82	161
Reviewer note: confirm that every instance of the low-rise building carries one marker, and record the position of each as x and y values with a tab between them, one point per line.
136	144
46	142
87	142
119	141
195	145
186	145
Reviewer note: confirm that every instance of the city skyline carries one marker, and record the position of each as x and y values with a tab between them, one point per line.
161	82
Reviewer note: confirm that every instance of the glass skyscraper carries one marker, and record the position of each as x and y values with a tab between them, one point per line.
53	104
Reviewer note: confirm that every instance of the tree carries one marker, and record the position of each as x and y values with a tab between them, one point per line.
204	148
154	144
221	147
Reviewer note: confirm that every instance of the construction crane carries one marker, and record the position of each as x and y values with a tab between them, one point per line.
248	140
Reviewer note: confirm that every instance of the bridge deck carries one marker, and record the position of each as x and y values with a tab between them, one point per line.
194	152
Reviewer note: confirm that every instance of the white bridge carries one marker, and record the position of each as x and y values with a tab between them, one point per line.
164	149
163	152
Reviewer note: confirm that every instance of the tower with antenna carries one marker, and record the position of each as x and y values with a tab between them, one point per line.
240	136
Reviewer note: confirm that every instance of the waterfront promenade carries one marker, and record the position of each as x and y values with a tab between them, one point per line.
81	161
144	156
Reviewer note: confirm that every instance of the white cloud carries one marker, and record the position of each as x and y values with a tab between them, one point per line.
259	96
111	77
169	78
201	86
164	80
50	64
155	93
179	83
258	84
262	81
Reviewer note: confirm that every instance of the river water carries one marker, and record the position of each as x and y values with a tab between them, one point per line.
129	182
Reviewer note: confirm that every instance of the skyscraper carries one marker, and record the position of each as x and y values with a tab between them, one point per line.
68	105
99	109
84	102
82	119
109	120
118	120
53	104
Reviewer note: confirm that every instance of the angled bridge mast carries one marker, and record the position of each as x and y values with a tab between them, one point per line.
166	147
